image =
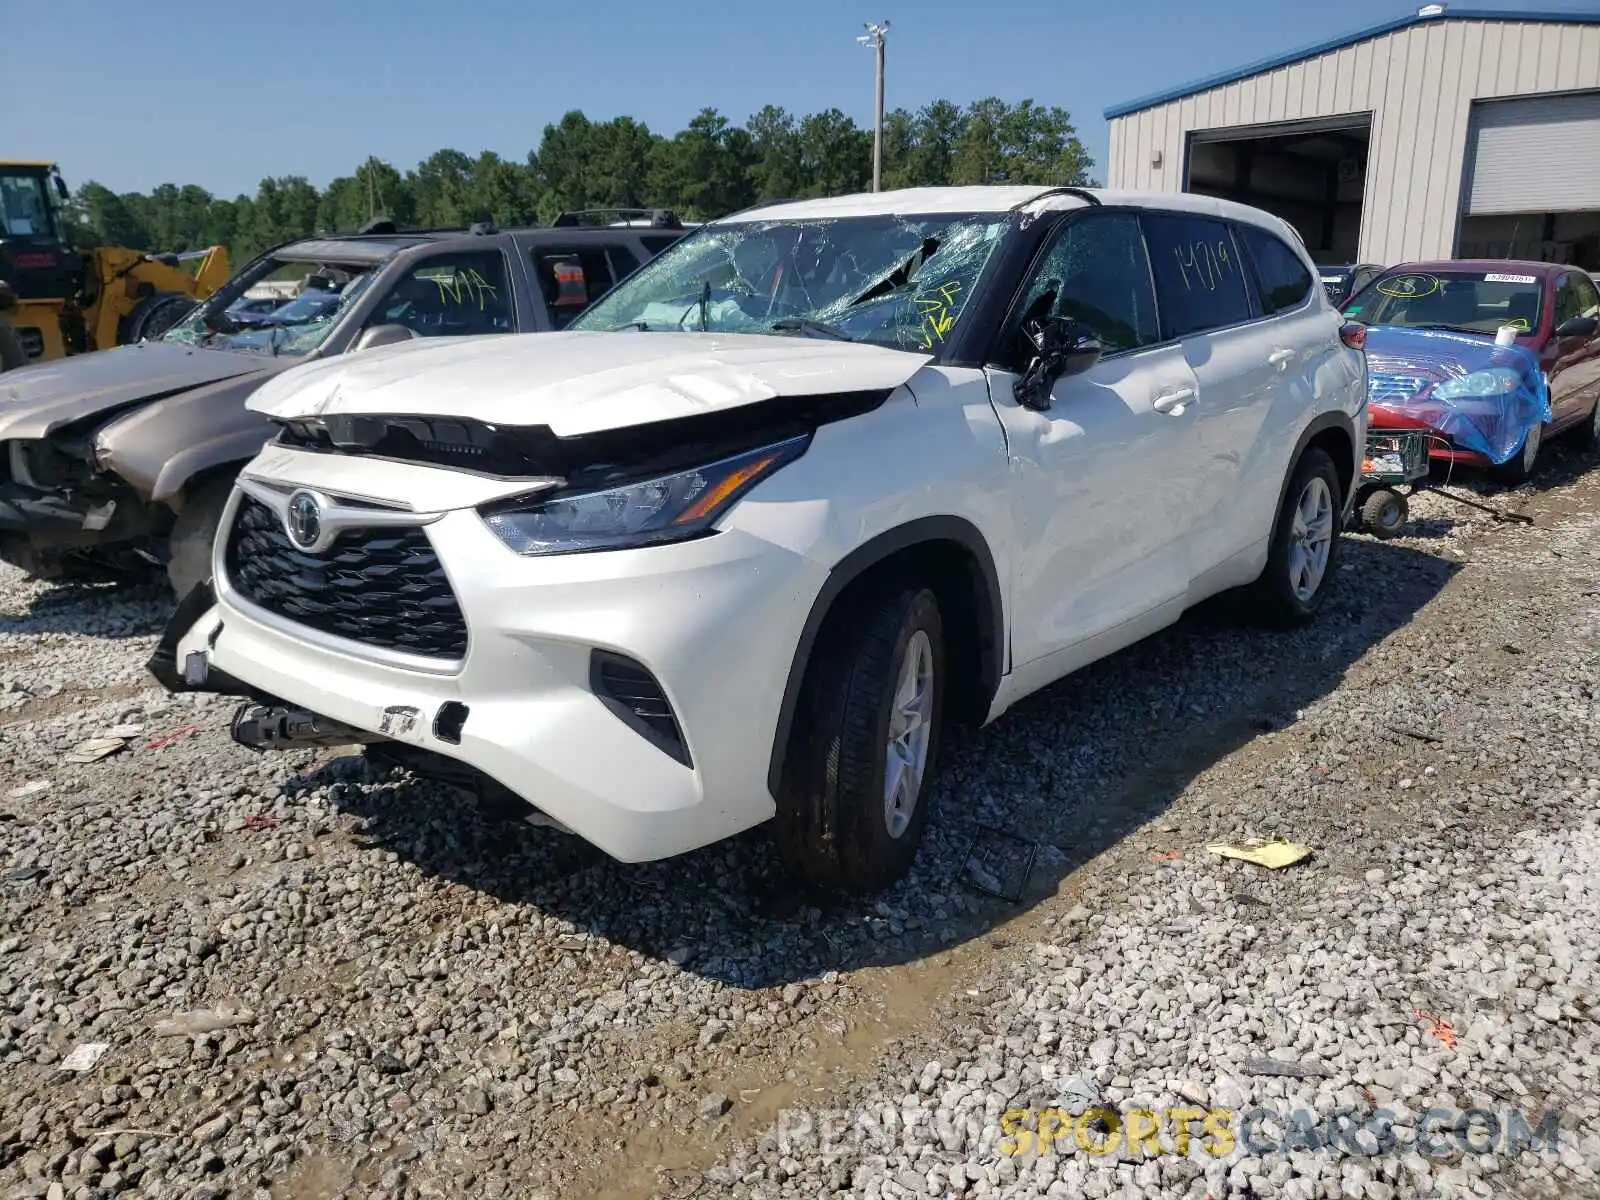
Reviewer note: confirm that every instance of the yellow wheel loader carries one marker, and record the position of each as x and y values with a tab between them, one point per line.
56	301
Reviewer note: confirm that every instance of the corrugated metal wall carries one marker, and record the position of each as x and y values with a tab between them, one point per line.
1418	83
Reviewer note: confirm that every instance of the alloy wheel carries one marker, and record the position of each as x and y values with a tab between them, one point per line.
1311	538
906	752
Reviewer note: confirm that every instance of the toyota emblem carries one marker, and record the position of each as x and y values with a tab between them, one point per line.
303	520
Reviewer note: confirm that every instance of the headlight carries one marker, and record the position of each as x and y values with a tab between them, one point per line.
1493	381
668	508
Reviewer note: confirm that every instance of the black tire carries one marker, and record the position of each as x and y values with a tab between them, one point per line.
12	355
189	542
1589	431
1518	470
153	316
1279	602
834	822
1384	513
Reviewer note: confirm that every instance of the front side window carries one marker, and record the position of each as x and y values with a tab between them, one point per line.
1200	280
1096	271
1284	281
451	295
1575	297
897	281
1459	301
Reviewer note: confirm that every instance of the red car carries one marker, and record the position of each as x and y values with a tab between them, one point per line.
1556	308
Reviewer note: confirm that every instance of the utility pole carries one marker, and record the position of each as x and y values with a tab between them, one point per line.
875	37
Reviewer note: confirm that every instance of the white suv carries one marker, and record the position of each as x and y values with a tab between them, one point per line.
819	479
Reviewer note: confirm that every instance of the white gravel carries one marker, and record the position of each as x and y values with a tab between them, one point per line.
310	981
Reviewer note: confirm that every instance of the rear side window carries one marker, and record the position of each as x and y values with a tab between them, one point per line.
655	243
1200	280
1284	281
571	279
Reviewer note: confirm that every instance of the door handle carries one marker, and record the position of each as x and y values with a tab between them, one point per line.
1279	357
1174	402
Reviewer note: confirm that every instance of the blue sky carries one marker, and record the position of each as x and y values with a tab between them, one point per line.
136	94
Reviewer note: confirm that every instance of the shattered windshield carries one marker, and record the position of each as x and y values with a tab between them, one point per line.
897	281
325	293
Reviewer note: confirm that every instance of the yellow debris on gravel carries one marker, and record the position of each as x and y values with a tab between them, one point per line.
1272	853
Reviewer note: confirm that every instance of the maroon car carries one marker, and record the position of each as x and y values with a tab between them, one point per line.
1555	308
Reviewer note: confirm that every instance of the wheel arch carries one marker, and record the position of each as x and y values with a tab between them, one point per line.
1335	433
952	554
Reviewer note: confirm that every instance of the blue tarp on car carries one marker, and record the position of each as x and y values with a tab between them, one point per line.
1483	397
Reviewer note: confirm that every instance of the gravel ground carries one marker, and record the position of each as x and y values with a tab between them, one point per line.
304	979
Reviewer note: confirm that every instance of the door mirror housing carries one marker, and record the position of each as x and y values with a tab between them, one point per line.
382	335
1061	346
1578	327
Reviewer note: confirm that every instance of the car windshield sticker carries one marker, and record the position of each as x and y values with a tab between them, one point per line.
1408	287
1510	279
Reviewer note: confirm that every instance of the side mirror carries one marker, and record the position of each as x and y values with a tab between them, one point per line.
381	335
1061	346
1577	327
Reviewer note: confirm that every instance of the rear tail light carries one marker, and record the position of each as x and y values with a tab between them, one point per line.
1354	335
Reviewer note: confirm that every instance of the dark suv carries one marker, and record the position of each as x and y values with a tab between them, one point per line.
125	458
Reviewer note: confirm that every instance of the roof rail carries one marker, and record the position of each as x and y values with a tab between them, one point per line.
660	218
1083	194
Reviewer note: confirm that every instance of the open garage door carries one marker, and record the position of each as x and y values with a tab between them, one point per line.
1532	187
1311	173
1535	155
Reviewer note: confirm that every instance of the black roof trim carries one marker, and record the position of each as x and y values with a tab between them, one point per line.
1083	194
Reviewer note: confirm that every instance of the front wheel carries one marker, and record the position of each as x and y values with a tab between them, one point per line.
1304	554
861	762
1516	471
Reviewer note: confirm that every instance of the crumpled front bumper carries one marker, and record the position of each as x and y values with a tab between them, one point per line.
44	515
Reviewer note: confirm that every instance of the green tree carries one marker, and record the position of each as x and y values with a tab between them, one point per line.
710	168
775	169
835	156
704	172
110	219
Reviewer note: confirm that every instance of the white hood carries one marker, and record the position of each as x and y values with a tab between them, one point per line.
578	383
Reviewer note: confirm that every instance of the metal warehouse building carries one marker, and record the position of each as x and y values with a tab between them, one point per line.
1442	134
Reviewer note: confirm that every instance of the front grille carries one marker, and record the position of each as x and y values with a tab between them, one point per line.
1383	388
379	587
